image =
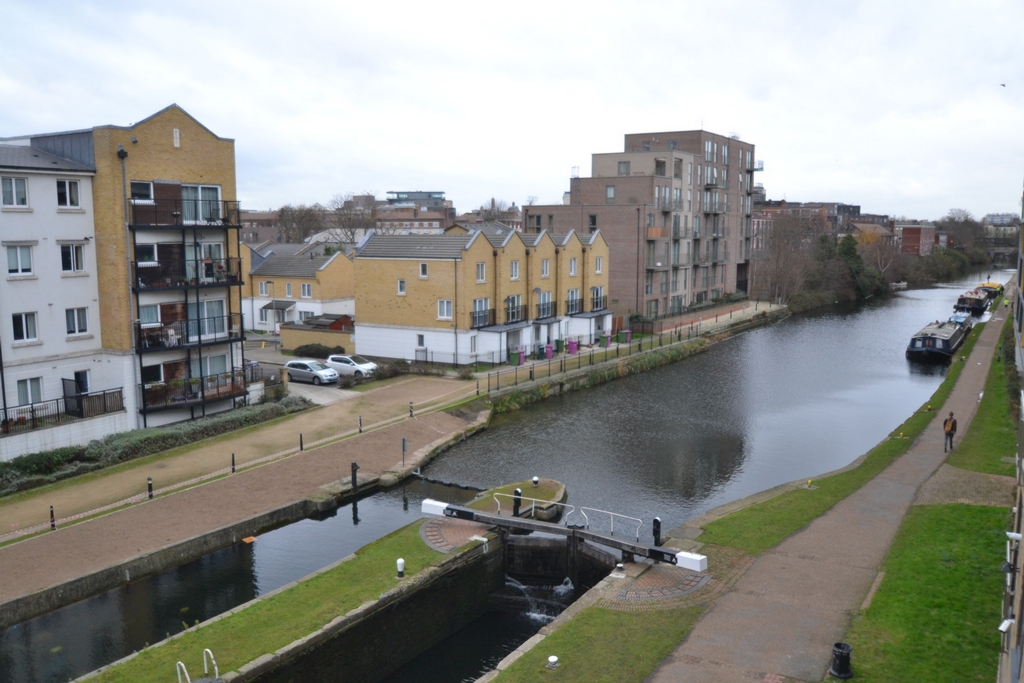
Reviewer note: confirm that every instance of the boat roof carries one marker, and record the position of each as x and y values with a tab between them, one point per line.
974	294
939	330
990	285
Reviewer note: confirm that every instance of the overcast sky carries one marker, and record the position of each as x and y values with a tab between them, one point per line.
896	106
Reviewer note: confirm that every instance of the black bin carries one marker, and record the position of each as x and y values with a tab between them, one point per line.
841	667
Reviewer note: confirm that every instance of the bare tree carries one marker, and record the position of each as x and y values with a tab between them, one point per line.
349	216
785	258
962	227
531	200
496	211
879	251
296	223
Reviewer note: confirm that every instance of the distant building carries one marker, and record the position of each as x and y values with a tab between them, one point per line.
1000	219
424	200
260	226
915	240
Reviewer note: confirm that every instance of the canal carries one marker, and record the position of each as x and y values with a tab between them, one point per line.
793	400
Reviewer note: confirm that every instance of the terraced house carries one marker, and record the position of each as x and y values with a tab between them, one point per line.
478	293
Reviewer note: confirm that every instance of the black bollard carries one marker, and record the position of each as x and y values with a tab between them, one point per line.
410	410
657	531
360	424
149	485
53	520
404	446
355	484
300	443
478	381
841	667
517	501
232	463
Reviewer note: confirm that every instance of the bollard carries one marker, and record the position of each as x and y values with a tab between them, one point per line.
355	484
478	387
53	520
360	424
410	409
517	501
404	444
149	486
657	531
300	443
401	568
841	667
536	481
232	463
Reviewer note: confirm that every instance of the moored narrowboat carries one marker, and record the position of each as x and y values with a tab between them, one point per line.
974	302
991	289
938	341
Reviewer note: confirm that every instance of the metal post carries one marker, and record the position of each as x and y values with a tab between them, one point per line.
53	520
300	444
657	531
149	486
361	417
517	501
410	410
404	445
355	484
478	387
232	463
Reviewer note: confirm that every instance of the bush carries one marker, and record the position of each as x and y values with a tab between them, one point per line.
427	369
387	370
466	372
317	350
293	404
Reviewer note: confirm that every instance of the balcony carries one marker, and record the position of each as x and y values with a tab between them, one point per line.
172	274
483	318
515	314
573	306
716	184
700	259
183	393
755	166
720	256
548	309
671	205
177	214
182	334
60	411
657	233
598	303
716	207
657	264
755	188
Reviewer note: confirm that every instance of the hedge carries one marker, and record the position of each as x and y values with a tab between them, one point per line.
317	350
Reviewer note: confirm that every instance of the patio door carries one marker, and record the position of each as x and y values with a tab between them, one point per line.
202	259
206	320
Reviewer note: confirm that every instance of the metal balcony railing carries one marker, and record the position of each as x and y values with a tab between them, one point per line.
716	207
184	333
514	314
185	392
573	306
755	166
483	318
18	419
178	213
599	303
547	310
168	274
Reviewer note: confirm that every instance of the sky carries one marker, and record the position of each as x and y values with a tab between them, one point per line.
907	108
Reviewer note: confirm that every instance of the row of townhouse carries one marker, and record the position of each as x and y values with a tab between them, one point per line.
478	293
121	306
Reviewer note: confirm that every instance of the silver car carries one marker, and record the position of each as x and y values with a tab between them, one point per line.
352	365
314	371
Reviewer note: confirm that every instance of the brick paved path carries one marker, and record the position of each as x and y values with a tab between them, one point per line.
783	615
445	534
954	485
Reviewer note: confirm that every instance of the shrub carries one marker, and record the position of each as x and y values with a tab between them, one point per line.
386	370
317	350
293	404
427	369
466	372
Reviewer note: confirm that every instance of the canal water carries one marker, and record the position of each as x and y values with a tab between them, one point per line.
789	401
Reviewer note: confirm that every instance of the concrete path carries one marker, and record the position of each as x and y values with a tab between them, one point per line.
783	615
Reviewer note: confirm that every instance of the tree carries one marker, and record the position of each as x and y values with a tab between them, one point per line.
785	261
496	211
961	226
297	223
350	215
879	251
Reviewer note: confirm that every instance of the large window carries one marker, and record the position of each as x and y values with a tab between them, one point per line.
142	192
307	290
72	258
24	326
14	191
30	391
67	194
200	203
623	168
149	314
207	318
145	253
264	288
77	320
444	309
209	366
609	194
19	260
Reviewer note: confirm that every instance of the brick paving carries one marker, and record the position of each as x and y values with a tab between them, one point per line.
445	534
954	485
662	582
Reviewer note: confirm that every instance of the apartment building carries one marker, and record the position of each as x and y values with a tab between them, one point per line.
168	258
57	384
676	211
478	293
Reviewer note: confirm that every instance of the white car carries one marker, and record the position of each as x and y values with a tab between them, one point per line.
352	365
310	370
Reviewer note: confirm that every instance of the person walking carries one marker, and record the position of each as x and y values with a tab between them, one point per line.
949	427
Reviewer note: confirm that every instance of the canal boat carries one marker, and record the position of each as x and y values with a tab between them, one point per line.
974	302
992	289
938	341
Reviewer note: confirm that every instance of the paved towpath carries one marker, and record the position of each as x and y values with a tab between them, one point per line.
782	616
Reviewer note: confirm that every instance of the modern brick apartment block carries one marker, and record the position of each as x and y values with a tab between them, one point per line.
676	211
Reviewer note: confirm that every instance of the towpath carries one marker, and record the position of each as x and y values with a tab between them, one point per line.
781	618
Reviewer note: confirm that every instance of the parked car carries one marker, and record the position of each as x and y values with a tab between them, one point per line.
310	370
352	365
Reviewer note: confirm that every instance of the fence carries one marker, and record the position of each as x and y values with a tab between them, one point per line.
61	411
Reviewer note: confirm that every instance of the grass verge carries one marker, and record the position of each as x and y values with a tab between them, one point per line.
282	618
603	645
766	524
932	618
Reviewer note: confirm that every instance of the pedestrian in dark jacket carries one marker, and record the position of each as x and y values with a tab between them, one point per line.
949	427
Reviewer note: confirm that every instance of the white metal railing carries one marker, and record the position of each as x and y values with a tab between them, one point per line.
611	516
569	508
206	669
180	668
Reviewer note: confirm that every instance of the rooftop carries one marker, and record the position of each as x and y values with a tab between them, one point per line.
414	246
292	266
24	157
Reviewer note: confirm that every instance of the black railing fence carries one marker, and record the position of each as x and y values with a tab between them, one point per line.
60	411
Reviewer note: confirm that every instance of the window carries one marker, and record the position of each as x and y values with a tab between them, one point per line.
725	154
307	290
609	194
305	314
689	173
649	283
673	144
151	374
472	344
82	381
599	263
19	260
572	266
24	326
420	341
707	150
677	169
209	366
264	288
288	290
444	309
72	258
645	146
514	270
145	253
535	222
142	192
401	287
659	167
149	315
545	268
592	222
623	168
423	270
481	272
200	204
77	320
67	194
30	391
15	191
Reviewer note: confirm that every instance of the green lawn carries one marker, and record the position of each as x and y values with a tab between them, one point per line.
602	645
934	617
766	524
287	616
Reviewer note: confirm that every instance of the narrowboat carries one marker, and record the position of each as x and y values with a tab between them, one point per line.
974	302
992	289
938	341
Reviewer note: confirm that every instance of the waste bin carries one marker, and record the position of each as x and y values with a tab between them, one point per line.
515	358
841	667
540	352
547	351
621	337
572	346
604	340
559	346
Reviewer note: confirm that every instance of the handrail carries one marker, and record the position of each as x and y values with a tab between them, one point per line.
535	500
216	671
179	667
612	516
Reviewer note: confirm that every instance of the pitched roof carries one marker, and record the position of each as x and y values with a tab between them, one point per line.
292	266
415	246
30	158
